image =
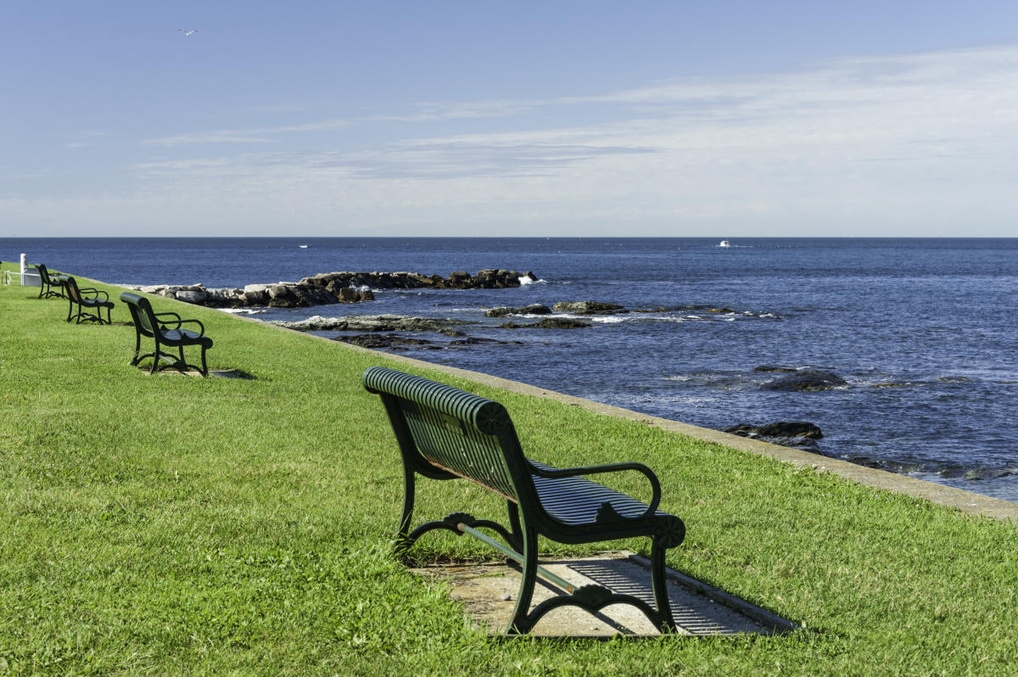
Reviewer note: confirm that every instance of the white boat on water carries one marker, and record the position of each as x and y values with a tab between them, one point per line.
724	243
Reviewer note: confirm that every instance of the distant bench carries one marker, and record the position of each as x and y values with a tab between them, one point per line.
167	330
85	304
445	433
52	284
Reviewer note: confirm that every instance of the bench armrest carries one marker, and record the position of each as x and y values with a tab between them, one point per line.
169	317
201	327
655	485
96	293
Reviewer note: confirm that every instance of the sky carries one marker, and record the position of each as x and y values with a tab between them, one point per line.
564	118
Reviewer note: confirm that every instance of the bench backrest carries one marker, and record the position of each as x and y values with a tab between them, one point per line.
141	313
457	431
44	275
73	293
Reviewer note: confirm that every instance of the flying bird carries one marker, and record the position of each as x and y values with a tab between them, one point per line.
187	32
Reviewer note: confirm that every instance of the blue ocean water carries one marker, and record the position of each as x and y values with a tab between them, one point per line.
922	330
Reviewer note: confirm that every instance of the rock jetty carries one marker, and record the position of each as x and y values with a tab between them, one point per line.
331	288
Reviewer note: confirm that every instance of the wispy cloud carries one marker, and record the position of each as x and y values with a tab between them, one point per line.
892	144
218	136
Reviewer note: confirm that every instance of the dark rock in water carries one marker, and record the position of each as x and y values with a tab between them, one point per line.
505	311
990	473
588	308
548	323
944	470
387	341
889	465
373	323
778	429
805	381
400	342
775	369
477	341
795	434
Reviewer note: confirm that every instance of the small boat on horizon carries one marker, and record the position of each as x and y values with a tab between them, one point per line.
303	246
724	243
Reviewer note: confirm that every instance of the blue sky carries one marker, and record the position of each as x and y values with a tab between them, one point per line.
723	119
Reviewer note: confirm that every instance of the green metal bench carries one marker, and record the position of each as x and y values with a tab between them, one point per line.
166	329
52	285
445	433
85	304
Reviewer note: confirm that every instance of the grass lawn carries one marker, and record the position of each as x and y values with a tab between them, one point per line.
177	525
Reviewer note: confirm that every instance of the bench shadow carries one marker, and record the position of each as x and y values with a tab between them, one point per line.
487	593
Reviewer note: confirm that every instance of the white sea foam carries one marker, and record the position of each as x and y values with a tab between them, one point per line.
243	311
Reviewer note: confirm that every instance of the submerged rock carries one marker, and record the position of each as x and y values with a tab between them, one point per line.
977	474
478	341
807	380
778	429
775	369
371	323
588	308
505	311
548	323
794	434
387	341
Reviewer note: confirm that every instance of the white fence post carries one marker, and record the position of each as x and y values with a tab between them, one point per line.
29	275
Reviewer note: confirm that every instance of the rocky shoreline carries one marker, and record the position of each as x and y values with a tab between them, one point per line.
332	288
389	332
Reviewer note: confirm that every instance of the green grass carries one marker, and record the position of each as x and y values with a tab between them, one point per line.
177	525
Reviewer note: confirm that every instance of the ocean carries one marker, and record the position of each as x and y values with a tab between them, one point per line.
922	331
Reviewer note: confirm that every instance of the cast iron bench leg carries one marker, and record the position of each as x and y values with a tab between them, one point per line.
520	623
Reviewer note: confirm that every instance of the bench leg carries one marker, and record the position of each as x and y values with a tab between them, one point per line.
403	541
137	350
516	540
138	356
155	358
520	623
659	583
